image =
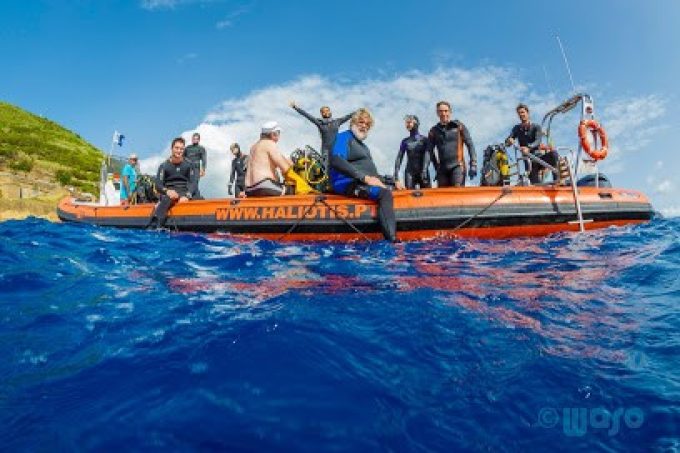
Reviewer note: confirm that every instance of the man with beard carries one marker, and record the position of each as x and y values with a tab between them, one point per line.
529	136
328	128
176	181
353	172
448	137
414	147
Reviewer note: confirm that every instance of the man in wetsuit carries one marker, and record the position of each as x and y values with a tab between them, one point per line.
529	136
197	155
353	172
328	128
238	171
448	137
414	147
176	181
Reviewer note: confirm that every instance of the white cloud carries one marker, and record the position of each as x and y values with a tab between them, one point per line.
155	5
670	211
483	98
159	4
665	187
631	124
230	18
187	57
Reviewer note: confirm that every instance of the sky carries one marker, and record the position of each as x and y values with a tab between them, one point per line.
156	69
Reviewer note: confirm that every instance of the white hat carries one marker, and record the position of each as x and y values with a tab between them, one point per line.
270	126
132	156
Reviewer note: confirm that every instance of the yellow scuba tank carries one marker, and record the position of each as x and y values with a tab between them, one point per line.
502	164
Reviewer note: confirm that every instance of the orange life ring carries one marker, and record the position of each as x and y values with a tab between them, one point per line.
593	126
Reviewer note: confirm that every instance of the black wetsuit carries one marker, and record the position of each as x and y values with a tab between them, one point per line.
449	163
530	136
351	161
182	178
414	146
238	171
328	129
197	155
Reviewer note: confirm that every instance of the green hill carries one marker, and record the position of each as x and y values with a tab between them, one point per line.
37	149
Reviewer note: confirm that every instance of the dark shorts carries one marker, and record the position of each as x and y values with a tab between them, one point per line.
265	188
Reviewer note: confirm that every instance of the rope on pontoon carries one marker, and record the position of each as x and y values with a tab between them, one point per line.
505	191
322	199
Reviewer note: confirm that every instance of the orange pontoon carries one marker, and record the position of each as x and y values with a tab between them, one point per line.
481	212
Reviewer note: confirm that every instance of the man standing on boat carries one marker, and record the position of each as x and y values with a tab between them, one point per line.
529	136
328	128
128	181
265	159
448	137
353	172
176	181
197	155
238	171
414	146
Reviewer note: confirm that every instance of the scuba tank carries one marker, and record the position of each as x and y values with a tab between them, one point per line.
503	165
308	165
496	167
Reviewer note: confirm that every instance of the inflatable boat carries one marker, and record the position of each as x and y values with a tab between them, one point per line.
497	210
479	212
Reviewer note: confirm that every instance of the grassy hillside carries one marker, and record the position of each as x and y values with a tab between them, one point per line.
35	146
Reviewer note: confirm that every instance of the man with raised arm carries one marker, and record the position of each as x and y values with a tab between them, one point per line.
328	127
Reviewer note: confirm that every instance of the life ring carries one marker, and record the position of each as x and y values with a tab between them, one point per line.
593	126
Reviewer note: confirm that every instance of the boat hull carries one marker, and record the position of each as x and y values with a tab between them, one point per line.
481	212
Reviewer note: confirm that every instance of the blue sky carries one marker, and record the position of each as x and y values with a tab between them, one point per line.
154	69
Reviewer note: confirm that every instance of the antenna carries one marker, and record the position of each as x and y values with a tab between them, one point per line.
566	63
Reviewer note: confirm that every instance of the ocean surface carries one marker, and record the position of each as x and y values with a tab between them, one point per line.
118	340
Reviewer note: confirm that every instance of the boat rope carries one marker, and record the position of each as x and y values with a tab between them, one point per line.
304	214
321	199
505	191
351	225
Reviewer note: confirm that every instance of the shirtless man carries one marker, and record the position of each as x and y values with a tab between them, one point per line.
265	158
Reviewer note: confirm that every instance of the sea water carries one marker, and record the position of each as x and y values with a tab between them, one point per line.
119	339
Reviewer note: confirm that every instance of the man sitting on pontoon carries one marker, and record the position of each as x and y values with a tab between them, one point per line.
262	179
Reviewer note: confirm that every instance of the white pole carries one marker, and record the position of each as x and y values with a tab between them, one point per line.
566	63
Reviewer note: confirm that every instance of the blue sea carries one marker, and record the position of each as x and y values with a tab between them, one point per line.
138	340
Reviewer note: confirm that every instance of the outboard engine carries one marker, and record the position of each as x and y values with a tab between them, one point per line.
590	180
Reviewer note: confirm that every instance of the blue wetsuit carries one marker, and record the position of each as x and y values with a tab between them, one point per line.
415	147
350	163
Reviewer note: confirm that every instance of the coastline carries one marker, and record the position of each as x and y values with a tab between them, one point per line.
20	209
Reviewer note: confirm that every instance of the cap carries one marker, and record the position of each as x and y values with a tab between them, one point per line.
132	156
270	126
